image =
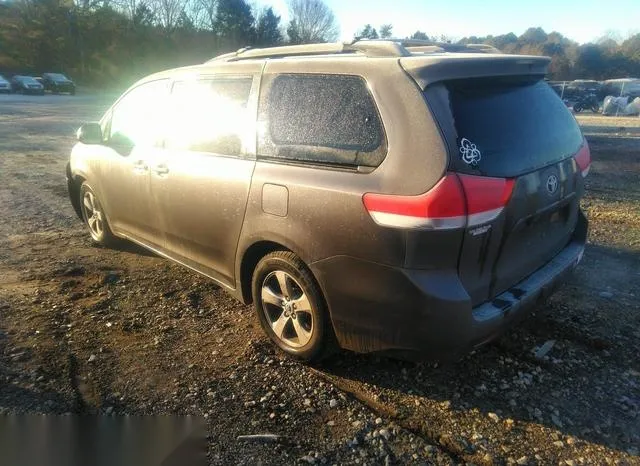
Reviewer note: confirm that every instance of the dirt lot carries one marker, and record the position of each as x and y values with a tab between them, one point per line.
90	330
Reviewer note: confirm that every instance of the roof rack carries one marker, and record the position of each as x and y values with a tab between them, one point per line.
366	47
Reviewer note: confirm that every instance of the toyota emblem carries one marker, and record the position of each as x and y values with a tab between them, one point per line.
552	184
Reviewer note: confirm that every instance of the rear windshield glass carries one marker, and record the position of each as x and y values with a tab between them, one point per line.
26	79
506	128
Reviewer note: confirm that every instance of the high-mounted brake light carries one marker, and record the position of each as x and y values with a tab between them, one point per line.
583	159
457	201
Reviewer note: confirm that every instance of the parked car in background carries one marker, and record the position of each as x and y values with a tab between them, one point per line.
578	89
26	85
622	87
57	83
362	198
588	85
5	85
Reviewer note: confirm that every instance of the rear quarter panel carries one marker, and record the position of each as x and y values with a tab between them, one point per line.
325	215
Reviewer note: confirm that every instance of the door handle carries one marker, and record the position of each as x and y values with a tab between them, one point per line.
161	169
140	166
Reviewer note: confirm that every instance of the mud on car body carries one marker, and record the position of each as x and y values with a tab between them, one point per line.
376	196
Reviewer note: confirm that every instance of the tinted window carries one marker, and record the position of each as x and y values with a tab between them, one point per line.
26	79
137	119
321	118
506	127
210	115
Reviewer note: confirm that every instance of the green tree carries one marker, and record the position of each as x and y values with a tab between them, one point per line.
386	31
235	23
293	32
503	41
143	16
268	29
590	62
533	36
367	32
419	35
631	48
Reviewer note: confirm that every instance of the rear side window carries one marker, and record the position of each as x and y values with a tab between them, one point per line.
210	115
330	119
507	127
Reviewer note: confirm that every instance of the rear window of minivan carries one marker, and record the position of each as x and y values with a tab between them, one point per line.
506	127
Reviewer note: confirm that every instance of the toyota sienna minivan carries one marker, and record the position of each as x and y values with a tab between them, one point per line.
394	196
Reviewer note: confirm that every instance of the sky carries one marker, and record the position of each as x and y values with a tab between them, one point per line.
580	20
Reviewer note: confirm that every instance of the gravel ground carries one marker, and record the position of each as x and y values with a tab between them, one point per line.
87	330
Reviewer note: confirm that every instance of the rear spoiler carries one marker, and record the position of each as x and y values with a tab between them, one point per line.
427	70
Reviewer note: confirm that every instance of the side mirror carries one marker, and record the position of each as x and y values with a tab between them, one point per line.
90	133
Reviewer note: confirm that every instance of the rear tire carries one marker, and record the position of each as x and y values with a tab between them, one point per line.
94	217
595	108
291	308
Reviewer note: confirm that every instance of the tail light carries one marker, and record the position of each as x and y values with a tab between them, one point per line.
457	201
583	159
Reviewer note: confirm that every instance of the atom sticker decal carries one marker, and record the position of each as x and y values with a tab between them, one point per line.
470	153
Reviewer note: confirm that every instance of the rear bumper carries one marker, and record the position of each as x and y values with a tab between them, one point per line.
32	91
380	308
70	88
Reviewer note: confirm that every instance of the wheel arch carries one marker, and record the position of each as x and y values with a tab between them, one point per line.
73	185
250	258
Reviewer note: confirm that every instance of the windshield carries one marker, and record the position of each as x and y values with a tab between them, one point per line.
26	79
2	78
514	126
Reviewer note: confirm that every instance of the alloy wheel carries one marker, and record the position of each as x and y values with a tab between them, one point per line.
93	214
287	309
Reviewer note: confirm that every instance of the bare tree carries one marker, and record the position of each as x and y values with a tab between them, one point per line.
611	35
446	39
203	13
311	21
128	7
168	12
419	35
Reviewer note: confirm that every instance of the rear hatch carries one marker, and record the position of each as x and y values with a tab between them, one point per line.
516	132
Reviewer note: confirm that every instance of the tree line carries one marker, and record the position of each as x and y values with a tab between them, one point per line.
112	42
115	41
607	58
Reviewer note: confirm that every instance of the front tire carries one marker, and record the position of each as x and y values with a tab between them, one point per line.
94	217
291	308
577	108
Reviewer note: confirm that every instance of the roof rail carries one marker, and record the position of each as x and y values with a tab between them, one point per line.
435	47
366	47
